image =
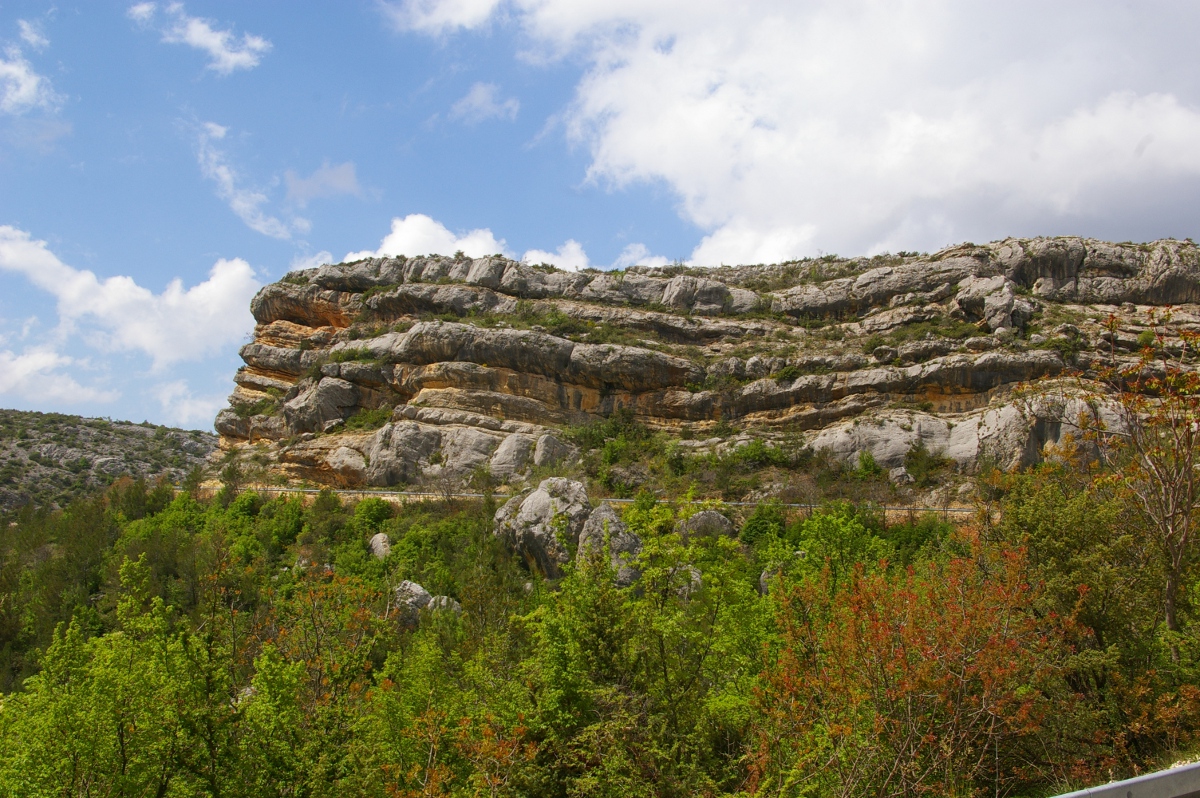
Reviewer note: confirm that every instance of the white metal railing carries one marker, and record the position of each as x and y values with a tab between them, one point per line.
1177	782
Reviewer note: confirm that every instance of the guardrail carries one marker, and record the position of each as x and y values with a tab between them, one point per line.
428	495
1177	782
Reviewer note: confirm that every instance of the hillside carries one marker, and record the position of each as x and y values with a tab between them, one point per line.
50	458
436	370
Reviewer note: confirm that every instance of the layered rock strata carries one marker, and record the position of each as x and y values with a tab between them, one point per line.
401	370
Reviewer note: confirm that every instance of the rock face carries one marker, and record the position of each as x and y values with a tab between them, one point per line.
544	525
394	371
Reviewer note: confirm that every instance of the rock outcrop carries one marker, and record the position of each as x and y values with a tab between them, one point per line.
436	370
604	528
544	526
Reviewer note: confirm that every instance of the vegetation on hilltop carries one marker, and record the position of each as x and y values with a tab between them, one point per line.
51	458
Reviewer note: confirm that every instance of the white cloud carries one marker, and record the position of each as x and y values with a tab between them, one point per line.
36	375
328	181
439	16
21	88
482	103
570	256
418	234
142	13
301	262
638	255
246	203
177	325
226	53
32	35
786	127
181	406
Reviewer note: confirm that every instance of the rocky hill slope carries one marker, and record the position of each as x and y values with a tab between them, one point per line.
431	369
48	458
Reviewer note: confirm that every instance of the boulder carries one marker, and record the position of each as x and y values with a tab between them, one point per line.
444	604
707	522
511	456
544	526
396	450
410	599
381	547
550	451
605	527
329	401
987	299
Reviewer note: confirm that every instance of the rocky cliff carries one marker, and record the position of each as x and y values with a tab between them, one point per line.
397	371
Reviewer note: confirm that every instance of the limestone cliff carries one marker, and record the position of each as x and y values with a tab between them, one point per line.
400	370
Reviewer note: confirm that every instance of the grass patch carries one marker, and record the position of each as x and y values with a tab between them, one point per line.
366	419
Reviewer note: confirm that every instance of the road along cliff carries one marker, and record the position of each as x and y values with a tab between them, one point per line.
395	371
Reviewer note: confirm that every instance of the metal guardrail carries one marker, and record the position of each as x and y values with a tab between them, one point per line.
1177	782
426	495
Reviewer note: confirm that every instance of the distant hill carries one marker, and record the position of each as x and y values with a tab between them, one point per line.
51	458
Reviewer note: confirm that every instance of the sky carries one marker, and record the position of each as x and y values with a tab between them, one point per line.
161	161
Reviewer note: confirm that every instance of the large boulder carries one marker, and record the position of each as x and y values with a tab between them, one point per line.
708	523
550	451
544	526
410	598
330	401
511	456
604	527
381	547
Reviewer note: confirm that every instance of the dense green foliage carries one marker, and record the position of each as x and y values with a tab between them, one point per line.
157	644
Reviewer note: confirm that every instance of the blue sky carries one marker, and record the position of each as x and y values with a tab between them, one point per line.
160	161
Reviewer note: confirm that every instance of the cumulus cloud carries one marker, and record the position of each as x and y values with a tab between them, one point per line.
36	375
246	203
438	16
638	255
226	52
570	256
119	315
301	262
32	35
328	181
181	406
482	102
21	88
788	128
418	234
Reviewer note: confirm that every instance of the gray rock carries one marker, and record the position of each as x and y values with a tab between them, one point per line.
604	526
396	451
980	343
729	368
348	464
466	448
381	547
330	400
920	351
444	604
885	354
707	523
987	299
544	525
550	451
410	599
900	476
511	456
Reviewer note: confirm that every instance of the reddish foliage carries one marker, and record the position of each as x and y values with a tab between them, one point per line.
922	682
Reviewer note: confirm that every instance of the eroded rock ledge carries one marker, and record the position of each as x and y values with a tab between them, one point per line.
397	370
